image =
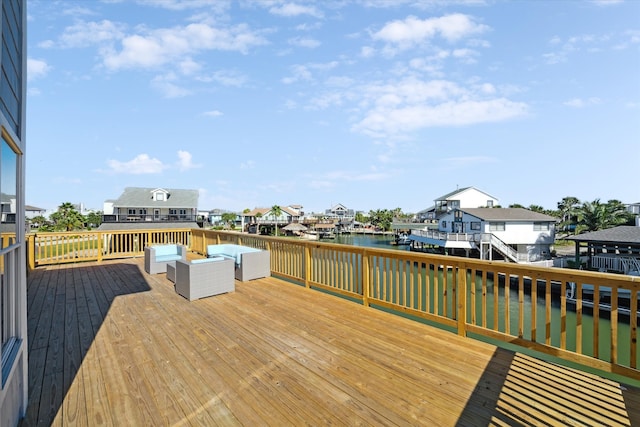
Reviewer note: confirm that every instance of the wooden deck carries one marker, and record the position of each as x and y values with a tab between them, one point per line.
111	345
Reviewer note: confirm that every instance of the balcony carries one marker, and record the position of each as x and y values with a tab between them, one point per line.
110	344
150	218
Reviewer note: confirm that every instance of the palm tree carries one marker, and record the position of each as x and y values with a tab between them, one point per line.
568	209
595	215
67	217
276	211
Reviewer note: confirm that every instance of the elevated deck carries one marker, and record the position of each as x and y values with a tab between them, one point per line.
111	345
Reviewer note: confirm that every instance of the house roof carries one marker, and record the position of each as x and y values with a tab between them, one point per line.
30	208
135	197
508	214
621	234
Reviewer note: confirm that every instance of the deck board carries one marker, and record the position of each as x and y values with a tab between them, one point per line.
112	345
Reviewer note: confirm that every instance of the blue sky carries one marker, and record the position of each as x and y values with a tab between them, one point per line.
375	104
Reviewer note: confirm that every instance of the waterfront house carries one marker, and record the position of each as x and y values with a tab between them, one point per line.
467	197
340	212
263	218
514	234
148	206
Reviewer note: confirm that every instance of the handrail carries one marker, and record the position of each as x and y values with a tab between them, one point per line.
505	249
470	296
79	246
501	301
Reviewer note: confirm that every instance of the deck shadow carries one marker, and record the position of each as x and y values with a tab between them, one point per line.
67	305
516	389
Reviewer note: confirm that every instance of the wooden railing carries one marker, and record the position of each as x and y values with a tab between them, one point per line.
517	304
58	248
522	305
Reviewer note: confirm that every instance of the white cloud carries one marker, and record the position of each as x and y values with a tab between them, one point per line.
185	161
212	113
167	85
249	164
304	42
399	108
293	9
606	2
216	5
413	31
581	103
37	68
226	78
85	34
159	47
140	165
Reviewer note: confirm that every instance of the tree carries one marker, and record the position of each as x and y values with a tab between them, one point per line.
568	213
67	218
38	221
381	218
361	218
276	211
594	216
93	219
229	218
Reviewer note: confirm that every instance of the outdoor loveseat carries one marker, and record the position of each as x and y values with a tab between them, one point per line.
250	263
204	277
156	257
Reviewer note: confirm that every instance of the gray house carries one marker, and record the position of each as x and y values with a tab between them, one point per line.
150	208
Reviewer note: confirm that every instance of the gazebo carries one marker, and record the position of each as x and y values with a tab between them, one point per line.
614	249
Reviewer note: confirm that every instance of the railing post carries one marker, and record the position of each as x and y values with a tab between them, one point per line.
366	278
307	265
100	237
31	251
462	299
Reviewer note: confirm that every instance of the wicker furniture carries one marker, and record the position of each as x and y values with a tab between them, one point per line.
250	263
171	271
156	257
204	277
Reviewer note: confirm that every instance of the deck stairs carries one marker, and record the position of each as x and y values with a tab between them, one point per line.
496	243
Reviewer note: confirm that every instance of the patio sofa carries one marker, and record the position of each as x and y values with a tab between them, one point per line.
156	257
250	263
206	277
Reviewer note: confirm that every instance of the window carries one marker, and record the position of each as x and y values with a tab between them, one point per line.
489	203
131	212
475	226
496	226
444	224
160	197
9	265
541	226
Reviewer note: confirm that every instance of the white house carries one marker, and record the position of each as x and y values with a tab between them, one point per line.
467	197
516	234
258	217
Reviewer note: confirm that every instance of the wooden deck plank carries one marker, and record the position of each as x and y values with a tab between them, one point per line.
115	346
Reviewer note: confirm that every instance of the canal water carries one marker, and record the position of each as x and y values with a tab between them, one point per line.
604	326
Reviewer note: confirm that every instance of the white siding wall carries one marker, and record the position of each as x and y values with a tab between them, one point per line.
522	233
473	198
